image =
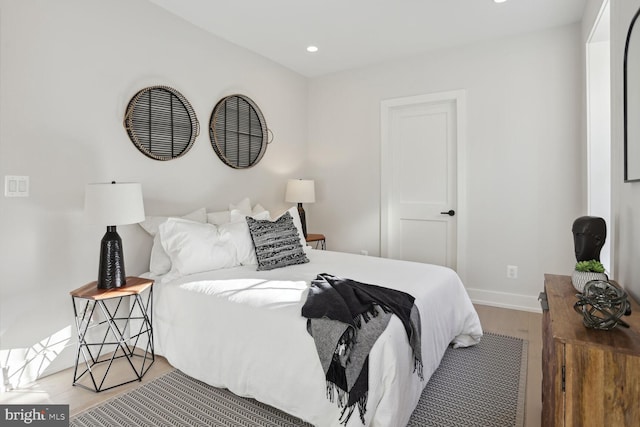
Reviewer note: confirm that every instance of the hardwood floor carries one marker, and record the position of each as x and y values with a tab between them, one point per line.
528	326
57	388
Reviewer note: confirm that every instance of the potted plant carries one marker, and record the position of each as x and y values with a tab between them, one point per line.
585	271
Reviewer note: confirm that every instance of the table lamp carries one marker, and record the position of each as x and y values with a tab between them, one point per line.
113	204
301	191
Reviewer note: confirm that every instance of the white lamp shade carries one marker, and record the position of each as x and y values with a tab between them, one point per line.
300	191
114	203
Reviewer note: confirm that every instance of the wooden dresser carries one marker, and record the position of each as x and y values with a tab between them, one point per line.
589	377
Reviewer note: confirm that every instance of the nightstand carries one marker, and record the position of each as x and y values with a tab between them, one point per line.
319	239
113	324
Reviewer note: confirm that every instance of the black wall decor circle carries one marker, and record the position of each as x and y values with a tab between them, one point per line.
238	131
161	123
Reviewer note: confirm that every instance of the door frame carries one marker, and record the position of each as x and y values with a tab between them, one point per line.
458	98
598	129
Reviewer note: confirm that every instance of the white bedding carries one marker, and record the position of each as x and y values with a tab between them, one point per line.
241	329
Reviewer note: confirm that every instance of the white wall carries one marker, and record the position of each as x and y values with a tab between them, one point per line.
625	196
524	155
67	71
589	16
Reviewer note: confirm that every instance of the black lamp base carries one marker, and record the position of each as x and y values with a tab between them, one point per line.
303	219
111	271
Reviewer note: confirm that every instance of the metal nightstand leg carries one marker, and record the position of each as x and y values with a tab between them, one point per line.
122	339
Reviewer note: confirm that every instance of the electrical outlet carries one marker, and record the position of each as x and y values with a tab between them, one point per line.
512	271
364	252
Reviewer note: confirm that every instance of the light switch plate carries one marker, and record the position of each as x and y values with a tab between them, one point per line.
16	186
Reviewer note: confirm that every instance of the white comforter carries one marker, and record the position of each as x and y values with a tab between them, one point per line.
241	329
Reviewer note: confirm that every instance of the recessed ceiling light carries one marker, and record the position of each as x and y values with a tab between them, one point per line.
312	49
499	1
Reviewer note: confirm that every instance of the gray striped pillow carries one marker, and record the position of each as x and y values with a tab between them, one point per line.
277	242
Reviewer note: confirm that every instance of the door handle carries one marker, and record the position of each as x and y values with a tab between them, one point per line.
450	212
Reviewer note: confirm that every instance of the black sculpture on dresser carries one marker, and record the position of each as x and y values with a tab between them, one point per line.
589	235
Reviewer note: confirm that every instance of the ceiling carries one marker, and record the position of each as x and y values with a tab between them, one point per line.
355	33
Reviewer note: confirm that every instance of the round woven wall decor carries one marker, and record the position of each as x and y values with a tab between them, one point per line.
161	123
238	131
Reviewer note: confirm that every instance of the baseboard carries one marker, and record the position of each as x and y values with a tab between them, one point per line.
505	300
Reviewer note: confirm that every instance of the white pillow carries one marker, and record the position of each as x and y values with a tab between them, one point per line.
217	218
240	236
160	263
237	216
257	209
196	247
244	206
224	217
151	223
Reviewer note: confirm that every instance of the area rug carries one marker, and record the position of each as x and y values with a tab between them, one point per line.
483	385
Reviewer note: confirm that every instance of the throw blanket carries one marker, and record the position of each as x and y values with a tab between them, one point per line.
345	318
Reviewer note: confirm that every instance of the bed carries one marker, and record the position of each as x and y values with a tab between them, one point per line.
239	328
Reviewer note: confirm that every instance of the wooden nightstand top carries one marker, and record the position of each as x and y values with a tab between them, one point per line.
568	326
135	285
315	237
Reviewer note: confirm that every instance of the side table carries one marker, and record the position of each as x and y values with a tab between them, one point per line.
102	313
589	377
319	239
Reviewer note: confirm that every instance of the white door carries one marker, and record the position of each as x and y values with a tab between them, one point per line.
419	179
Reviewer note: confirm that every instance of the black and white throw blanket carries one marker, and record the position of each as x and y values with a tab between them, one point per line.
345	318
